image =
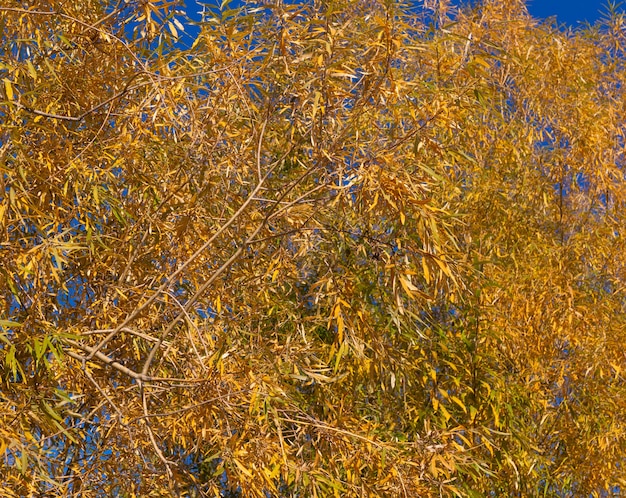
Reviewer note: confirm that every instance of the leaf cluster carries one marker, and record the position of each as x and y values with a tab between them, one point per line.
341	248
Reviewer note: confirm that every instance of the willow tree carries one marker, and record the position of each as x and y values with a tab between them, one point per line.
541	187
319	248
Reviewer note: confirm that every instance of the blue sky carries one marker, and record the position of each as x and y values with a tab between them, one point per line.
570	12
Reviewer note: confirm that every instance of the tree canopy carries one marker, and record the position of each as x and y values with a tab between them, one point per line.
316	248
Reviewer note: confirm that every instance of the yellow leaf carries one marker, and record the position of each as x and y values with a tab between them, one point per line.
9	324
172	29
31	70
459	402
337	309
444	412
433	374
433	467
374	203
444	267
241	467
426	270
179	25
340	353
8	88
473	413
407	285
340	328
410	289
316	101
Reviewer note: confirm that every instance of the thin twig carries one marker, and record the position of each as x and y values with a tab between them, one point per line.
166	462
118	366
194	406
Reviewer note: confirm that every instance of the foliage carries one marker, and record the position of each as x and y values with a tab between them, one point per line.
340	248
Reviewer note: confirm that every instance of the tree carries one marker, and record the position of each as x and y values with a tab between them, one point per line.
329	248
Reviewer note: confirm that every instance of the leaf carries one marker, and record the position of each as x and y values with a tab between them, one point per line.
50	411
9	324
316	100
172	27
242	468
456	400
31	69
8	89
